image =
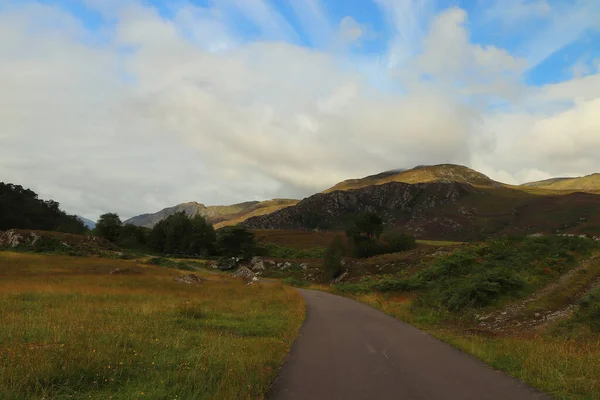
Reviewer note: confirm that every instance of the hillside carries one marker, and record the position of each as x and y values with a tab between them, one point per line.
588	183
443	173
443	211
218	215
87	222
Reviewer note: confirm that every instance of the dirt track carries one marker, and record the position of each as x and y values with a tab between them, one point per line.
349	351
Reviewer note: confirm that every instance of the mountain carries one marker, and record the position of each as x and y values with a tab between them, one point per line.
217	215
445	207
588	183
443	173
87	222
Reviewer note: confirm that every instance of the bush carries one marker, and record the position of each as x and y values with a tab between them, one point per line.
165	262
295	282
332	262
352	288
589	310
397	242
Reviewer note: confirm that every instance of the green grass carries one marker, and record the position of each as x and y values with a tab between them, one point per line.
283	251
70	329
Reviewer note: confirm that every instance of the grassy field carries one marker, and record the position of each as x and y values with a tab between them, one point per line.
69	330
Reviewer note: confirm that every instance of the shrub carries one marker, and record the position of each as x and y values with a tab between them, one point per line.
397	242
332	262
589	310
295	282
352	288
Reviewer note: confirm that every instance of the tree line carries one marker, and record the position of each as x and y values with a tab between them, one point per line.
21	208
178	234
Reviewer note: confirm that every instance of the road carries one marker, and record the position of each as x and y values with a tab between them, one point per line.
349	351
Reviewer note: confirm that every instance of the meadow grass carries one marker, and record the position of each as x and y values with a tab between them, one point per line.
69	329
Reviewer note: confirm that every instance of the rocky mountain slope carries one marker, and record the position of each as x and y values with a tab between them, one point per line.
443	173
392	200
588	183
218	215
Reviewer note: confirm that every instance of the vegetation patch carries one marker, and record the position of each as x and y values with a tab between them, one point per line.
71	329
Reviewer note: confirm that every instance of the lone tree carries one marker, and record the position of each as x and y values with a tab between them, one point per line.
109	227
363	233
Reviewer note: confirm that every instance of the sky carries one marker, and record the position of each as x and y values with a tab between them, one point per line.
131	106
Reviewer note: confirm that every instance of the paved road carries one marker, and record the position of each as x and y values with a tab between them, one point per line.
349	351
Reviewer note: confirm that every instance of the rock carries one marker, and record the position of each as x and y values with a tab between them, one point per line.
257	264
537	314
244	273
228	263
253	281
189	279
215	266
124	271
341	277
270	263
304	266
287	265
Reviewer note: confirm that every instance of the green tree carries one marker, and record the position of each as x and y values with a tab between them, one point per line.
133	237
236	241
21	208
109	227
363	233
332	261
179	234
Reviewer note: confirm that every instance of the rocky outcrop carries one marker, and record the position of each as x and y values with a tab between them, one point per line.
389	200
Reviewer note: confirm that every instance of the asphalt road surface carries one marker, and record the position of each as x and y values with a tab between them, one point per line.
350	351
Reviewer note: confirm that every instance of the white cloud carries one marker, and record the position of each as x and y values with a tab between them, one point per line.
182	109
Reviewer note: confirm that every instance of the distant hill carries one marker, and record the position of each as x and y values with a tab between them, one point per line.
588	183
87	222
217	215
443	173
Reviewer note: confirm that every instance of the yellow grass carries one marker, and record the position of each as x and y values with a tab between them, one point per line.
70	329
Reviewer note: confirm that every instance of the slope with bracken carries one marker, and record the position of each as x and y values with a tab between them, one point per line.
443	173
218	215
588	183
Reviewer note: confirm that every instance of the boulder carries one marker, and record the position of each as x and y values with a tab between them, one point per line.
257	264
304	266
227	264
189	279
245	273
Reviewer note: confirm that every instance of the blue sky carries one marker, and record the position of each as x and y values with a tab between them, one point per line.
135	105
515	25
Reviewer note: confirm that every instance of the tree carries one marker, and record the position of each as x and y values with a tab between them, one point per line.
109	227
133	237
179	234
235	241
332	262
21	208
363	233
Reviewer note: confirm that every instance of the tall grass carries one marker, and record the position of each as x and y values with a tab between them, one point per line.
69	329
